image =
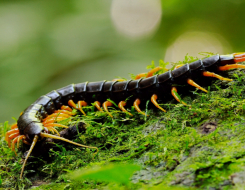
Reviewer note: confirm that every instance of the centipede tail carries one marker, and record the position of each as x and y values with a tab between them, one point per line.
42	116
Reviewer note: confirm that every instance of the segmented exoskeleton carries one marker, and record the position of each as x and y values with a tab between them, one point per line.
40	117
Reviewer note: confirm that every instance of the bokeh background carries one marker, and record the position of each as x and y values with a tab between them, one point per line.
45	45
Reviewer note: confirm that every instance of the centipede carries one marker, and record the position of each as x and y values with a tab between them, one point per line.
42	117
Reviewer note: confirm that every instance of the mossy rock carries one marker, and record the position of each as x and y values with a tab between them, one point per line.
186	148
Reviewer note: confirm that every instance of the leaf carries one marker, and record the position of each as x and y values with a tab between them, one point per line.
119	173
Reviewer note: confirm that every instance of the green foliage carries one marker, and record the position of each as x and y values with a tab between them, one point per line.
119	173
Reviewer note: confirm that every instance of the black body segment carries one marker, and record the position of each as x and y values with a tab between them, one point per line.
181	74
211	63
56	98
29	123
67	93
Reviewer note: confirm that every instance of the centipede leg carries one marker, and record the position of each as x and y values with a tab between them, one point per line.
233	66
121	106
67	108
19	138
79	107
55	125
97	105
106	104
154	101
141	75
11	132
52	120
210	74
176	96
151	72
13	144
239	57
136	106
192	83
14	126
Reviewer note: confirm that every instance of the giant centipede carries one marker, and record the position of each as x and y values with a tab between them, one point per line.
40	117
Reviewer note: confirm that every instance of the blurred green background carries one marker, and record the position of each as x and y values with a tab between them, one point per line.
45	45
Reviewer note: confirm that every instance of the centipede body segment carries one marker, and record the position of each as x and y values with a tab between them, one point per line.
41	117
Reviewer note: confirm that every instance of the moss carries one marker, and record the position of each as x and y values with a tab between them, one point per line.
172	148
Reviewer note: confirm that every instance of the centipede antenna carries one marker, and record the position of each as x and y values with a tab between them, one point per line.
28	154
175	95
106	104
210	74
136	106
233	66
192	83
154	101
121	106
66	140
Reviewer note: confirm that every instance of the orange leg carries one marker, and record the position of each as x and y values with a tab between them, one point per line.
13	144
80	104
239	57
19	138
79	107
121	106
14	126
26	142
136	106
55	125
192	83
106	104
141	75
154	101
64	111
52	120
67	108
151	72
11	132
234	66
56	115
175	95
11	137
97	105
209	74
